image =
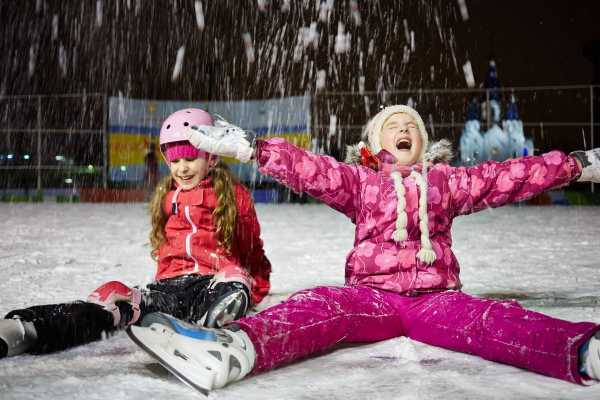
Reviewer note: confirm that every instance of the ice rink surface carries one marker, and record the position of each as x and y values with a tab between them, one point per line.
546	257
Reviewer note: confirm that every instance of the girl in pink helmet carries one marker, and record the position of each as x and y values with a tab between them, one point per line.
402	277
205	237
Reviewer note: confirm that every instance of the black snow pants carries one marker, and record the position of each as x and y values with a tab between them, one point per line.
61	326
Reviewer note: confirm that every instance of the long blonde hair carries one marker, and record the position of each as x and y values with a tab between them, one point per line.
224	214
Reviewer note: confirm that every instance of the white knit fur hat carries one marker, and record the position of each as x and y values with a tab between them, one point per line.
375	126
372	133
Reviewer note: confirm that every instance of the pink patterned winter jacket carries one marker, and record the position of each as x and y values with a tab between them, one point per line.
368	198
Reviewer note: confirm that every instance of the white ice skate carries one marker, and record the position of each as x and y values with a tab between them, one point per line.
16	337
203	358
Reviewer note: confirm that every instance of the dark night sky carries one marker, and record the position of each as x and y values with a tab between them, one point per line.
534	42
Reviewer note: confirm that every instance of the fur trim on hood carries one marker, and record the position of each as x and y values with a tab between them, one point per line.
438	152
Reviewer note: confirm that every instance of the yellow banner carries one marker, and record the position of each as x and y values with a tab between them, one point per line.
130	149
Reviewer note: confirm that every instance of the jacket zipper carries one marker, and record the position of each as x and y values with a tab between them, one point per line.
188	239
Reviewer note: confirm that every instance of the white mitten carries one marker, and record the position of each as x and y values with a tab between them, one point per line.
590	161
223	139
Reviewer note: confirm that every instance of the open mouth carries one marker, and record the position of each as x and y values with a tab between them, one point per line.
403	144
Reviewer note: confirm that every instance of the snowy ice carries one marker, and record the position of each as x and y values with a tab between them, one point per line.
547	257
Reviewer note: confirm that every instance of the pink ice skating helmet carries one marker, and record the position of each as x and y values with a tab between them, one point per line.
172	129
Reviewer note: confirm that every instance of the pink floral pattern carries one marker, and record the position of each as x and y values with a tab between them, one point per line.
368	198
538	174
517	170
553	158
434	195
386	260
371	194
505	181
306	169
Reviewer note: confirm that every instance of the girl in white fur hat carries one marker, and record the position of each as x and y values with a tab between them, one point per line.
402	278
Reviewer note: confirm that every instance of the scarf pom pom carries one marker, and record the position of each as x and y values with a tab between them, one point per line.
426	255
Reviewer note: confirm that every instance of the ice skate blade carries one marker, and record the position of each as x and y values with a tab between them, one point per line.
133	331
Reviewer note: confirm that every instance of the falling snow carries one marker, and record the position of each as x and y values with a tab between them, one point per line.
178	63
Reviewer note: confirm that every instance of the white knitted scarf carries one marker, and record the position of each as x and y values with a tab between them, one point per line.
426	254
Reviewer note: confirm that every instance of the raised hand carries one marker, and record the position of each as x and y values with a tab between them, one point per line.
222	139
590	163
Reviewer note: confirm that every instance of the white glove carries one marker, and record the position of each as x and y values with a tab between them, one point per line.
590	161
223	139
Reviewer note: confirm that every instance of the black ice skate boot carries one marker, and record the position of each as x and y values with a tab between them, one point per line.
230	302
16	337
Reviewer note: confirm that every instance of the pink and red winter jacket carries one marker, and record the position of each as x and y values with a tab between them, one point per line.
192	247
368	198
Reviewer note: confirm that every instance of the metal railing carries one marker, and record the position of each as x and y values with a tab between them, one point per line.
563	115
20	120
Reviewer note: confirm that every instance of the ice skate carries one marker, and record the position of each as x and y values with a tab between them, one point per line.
16	337
231	304
203	358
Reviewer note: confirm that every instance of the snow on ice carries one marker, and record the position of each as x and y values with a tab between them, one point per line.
546	257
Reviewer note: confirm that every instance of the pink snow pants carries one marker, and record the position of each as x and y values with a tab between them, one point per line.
315	320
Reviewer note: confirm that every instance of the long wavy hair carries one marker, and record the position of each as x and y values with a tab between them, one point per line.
224	214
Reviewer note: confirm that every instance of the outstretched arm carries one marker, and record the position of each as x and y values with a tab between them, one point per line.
493	184
336	184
